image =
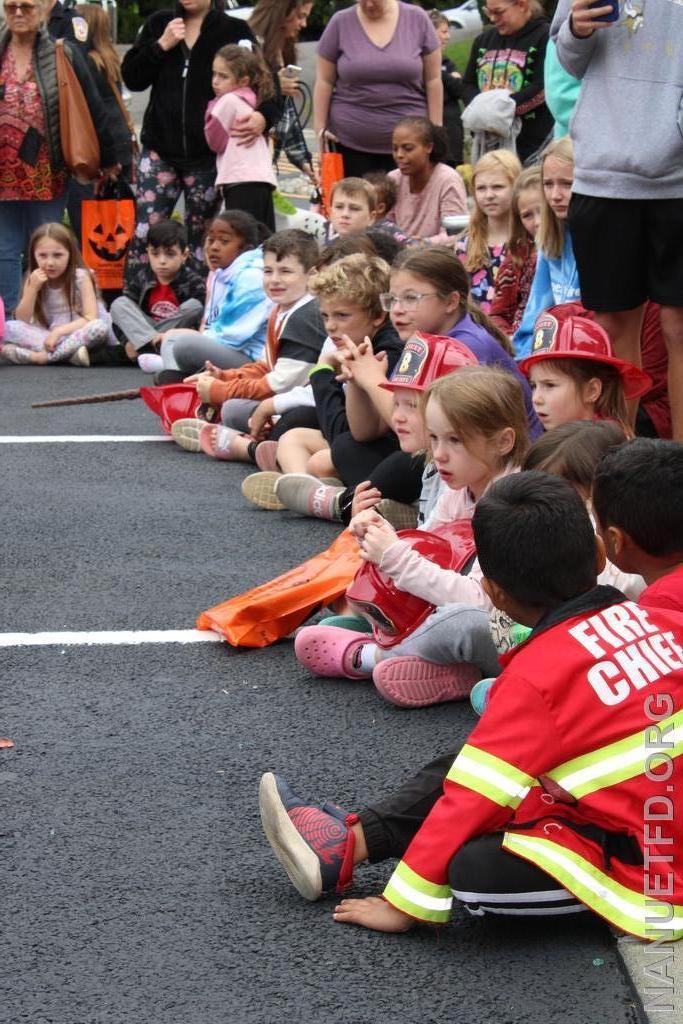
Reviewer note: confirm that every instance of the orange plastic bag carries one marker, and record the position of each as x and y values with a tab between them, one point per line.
267	613
331	171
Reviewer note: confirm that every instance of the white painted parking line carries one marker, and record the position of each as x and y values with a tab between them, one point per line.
81	438
108	637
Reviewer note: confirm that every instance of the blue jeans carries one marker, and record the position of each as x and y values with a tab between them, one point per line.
18	220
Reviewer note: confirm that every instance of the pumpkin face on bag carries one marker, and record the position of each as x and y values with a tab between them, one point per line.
110	246
107	226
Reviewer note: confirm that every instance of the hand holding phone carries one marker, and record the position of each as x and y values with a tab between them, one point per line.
613	14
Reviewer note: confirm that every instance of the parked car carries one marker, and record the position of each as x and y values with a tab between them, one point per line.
465	21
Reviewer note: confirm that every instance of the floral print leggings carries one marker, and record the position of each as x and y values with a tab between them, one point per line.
158	187
27	338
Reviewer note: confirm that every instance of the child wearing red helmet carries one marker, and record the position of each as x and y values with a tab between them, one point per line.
574	373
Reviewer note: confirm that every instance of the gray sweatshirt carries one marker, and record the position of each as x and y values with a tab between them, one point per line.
627	125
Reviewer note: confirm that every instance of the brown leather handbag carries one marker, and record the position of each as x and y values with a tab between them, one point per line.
80	146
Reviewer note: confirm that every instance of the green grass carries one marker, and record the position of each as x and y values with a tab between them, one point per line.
459	54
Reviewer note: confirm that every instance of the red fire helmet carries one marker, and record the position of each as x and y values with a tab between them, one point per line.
560	334
394	613
172	402
426	357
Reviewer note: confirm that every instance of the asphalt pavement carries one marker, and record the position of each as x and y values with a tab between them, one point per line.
136	885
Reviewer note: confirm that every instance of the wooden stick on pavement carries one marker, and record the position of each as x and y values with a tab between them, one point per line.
107	396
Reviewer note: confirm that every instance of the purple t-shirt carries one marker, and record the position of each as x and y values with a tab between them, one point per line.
376	86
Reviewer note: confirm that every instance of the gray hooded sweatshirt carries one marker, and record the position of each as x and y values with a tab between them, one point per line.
627	125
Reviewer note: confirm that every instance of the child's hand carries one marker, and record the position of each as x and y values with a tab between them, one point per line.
261	420
365	497
359	524
373	912
37	279
53	339
203	385
209	370
367	368
378	537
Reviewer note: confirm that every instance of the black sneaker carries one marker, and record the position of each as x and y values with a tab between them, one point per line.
170	377
313	843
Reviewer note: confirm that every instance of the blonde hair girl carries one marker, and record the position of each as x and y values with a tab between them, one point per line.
556	279
483	245
516	272
476	424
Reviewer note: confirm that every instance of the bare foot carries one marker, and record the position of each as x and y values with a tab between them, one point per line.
131	351
40	358
6	744
373	912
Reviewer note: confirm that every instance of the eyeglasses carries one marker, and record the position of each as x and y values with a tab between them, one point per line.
409	302
20	8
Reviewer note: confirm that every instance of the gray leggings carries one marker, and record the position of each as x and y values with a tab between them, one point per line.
189	350
236	413
452	633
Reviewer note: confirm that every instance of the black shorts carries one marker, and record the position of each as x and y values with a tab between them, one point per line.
627	251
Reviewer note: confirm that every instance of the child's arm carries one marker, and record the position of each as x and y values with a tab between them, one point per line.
27	303
452	201
540	299
419	576
368	406
218	120
88	296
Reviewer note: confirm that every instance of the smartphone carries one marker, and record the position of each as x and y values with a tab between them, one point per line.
613	14
293	70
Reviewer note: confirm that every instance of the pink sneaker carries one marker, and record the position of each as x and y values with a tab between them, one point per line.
329	651
266	456
412	682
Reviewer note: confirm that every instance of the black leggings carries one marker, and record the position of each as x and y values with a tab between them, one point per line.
482	875
357	163
398	477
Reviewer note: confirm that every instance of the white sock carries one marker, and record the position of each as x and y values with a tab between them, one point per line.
367	657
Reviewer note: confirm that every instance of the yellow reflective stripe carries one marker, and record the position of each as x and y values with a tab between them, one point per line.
494	778
625	759
425	900
634	912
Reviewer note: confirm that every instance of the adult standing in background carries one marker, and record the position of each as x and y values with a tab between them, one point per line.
173	55
510	55
276	25
378	61
626	211
33	179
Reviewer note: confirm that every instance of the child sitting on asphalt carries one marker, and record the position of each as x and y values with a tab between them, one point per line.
348	293
161	295
477	431
294	338
584	685
233	329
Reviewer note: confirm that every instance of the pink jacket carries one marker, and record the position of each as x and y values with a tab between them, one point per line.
236	164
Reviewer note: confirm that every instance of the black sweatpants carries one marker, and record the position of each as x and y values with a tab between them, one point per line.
482	875
398	477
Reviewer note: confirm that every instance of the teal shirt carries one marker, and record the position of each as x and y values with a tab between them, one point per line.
561	91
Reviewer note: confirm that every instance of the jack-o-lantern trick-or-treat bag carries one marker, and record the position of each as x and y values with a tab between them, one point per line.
107	226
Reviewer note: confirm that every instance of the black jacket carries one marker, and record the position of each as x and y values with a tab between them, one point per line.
514	62
330	402
180	80
187	284
120	133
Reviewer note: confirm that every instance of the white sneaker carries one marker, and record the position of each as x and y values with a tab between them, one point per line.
150	362
81	357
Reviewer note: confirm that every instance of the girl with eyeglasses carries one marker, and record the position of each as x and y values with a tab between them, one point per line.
510	55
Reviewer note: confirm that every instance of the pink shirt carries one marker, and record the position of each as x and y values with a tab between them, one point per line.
419	213
236	164
417	575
